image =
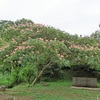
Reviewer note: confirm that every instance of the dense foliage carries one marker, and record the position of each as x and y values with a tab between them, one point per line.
29	51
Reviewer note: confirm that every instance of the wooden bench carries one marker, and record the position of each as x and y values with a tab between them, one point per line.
84	82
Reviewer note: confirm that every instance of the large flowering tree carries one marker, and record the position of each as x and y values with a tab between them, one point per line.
24	43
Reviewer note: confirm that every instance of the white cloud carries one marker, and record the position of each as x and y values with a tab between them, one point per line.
3	3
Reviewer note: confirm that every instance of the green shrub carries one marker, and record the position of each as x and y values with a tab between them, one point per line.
27	74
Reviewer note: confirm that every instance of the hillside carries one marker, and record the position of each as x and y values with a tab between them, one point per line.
29	51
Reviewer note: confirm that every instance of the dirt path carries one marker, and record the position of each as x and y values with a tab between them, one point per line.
7	97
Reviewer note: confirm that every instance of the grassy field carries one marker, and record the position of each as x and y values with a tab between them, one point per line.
59	90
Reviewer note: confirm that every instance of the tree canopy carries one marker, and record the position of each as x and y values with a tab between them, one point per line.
26	46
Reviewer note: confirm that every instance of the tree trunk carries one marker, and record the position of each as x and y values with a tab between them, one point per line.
40	73
35	80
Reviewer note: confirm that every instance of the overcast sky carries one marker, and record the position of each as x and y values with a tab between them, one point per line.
80	17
